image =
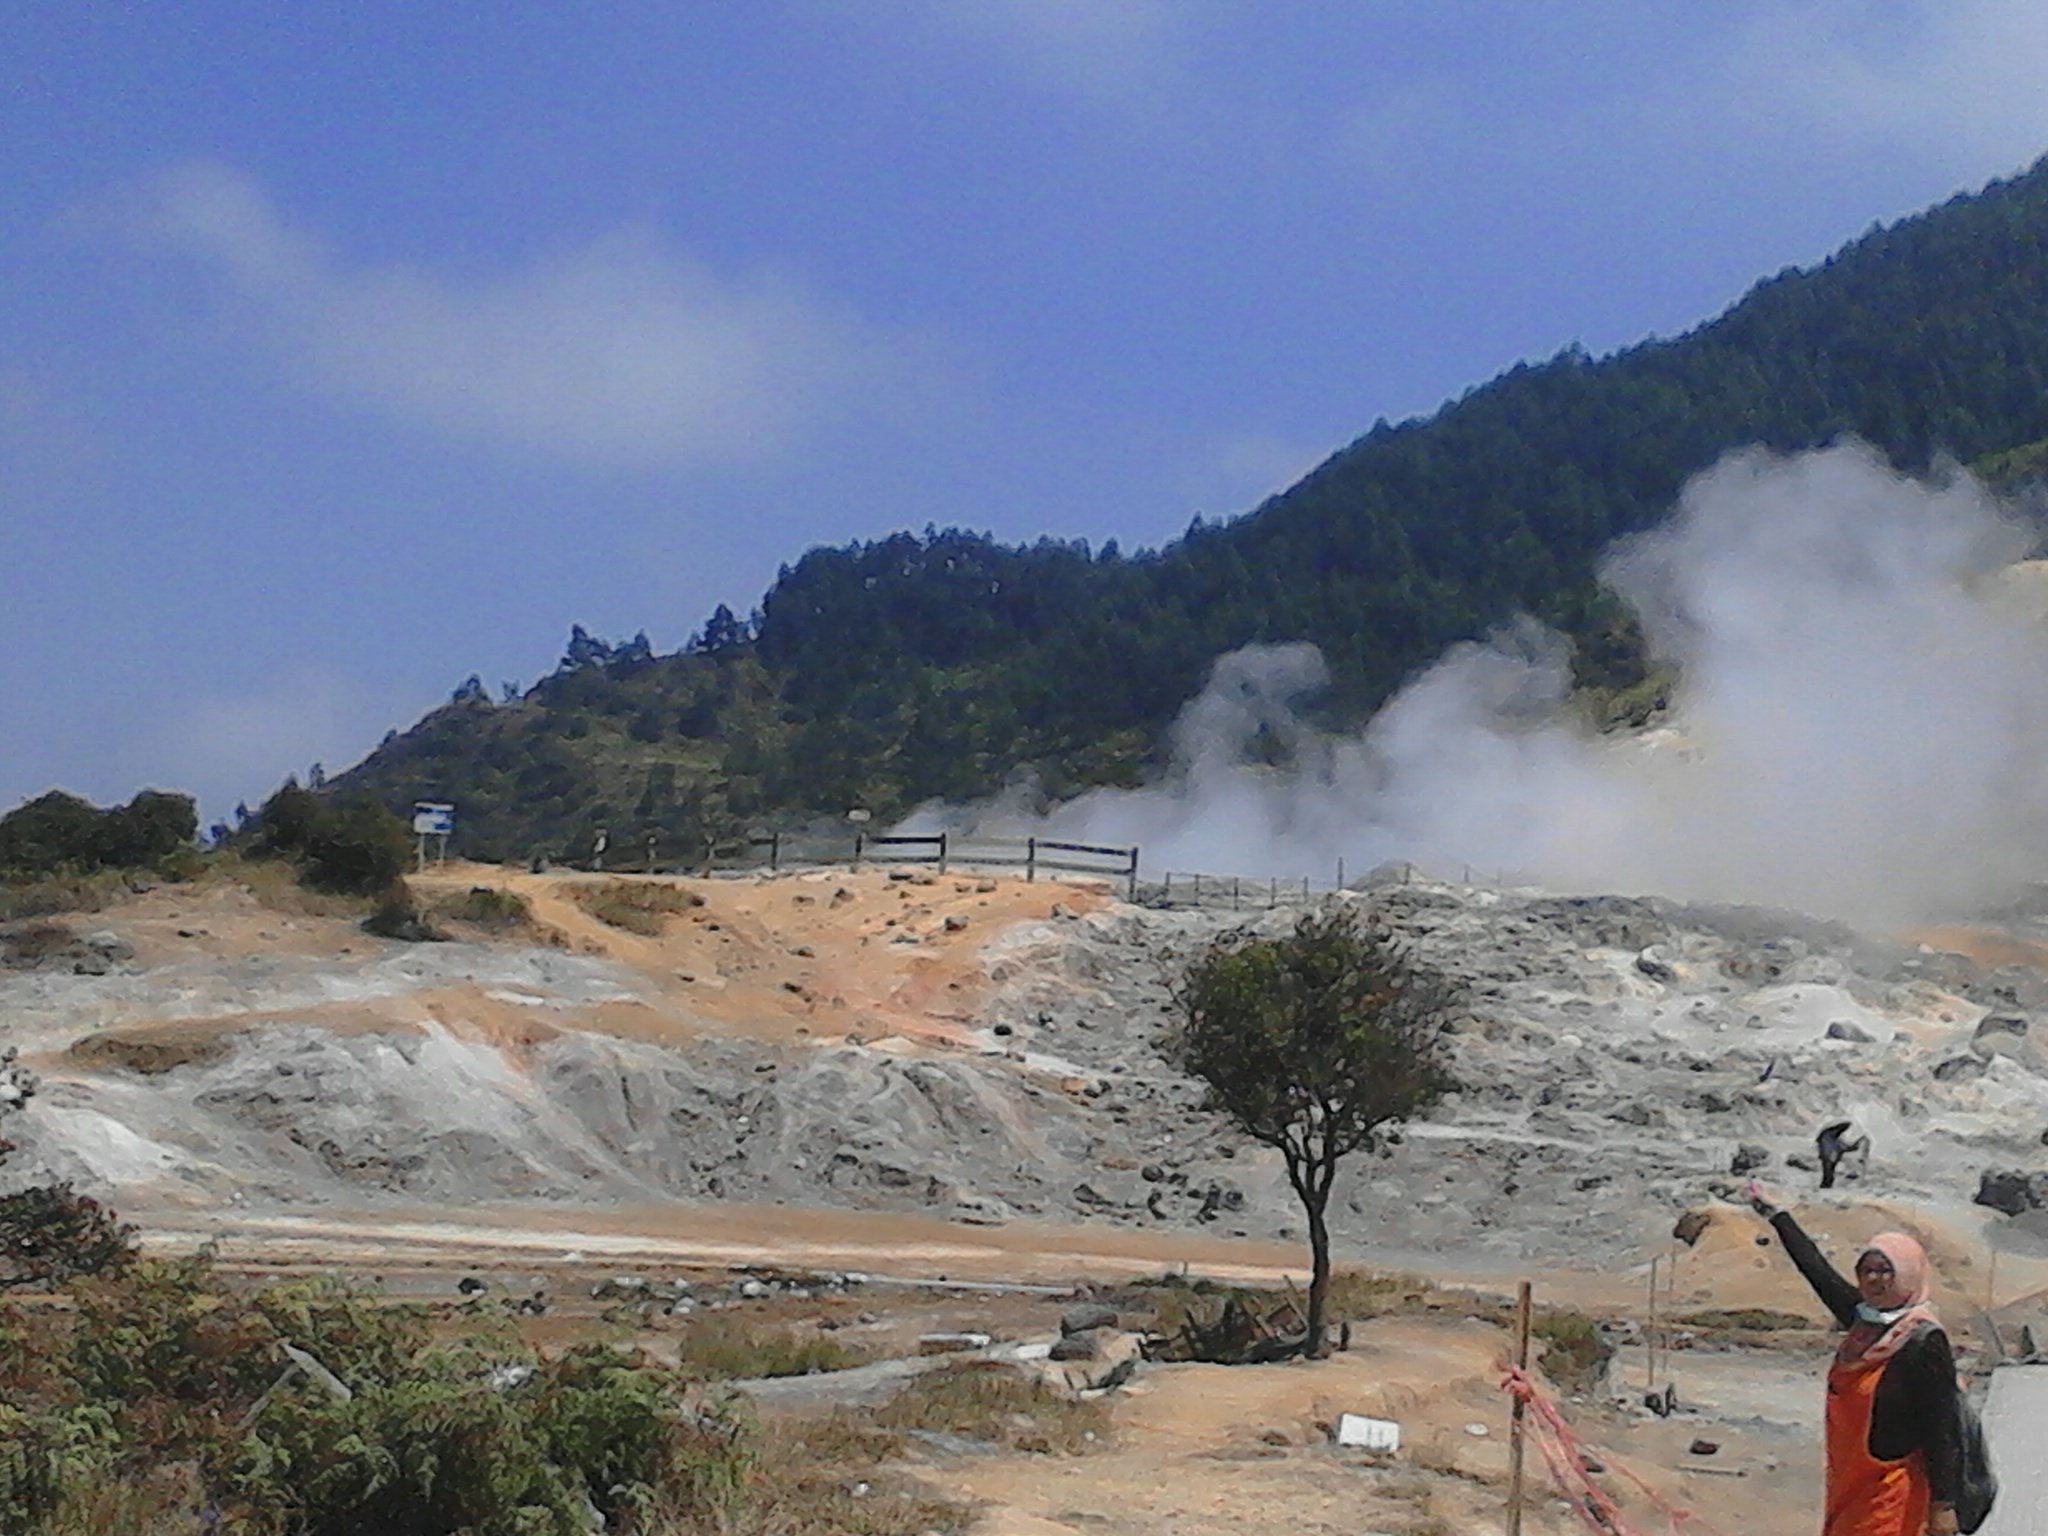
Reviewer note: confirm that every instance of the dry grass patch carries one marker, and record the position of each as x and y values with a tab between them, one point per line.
830	1477
487	907
638	906
1355	1296
274	883
51	895
151	1052
724	1347
990	1401
165	1501
31	944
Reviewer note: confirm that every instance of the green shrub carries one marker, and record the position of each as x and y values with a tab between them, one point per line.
160	1334
1575	1351
353	847
49	1458
398	915
436	1452
51	1234
169	1391
634	1443
59	833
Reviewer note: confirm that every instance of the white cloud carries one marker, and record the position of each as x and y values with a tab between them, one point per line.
624	351
1102	49
1954	79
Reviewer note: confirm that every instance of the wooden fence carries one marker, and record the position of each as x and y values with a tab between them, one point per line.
1030	854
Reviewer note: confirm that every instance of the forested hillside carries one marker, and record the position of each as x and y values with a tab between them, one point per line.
880	674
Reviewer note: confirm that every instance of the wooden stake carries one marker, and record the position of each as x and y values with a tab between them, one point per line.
1516	1430
1991	1284
1650	1337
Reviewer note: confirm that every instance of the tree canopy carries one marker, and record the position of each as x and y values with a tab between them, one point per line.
1316	1043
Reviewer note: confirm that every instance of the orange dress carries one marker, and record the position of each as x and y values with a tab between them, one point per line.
1867	1497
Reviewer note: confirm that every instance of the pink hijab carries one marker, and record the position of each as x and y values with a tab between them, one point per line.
1870	1344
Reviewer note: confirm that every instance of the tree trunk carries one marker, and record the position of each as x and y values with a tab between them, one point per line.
1319	1273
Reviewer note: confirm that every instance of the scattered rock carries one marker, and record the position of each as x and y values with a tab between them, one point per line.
1845	1029
1689	1226
1086	1318
2012	1192
1653	963
2000	1035
1749	1157
1081	1344
952	1343
1704	1447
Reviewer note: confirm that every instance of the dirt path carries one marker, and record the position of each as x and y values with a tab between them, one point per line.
1223	1451
720	1236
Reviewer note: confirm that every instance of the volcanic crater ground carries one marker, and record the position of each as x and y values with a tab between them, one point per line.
959	1074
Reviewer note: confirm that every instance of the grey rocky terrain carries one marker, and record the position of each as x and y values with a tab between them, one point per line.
1622	1059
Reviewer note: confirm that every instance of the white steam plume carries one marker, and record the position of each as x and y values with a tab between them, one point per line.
1860	730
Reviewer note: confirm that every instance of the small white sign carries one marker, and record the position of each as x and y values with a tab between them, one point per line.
1368	1434
433	818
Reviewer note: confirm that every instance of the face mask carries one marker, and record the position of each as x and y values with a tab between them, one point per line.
1866	1313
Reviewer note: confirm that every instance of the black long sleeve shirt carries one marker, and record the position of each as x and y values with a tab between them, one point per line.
1914	1407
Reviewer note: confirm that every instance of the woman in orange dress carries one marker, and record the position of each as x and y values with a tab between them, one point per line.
1893	1460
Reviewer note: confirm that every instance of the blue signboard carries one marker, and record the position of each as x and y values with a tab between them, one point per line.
433	818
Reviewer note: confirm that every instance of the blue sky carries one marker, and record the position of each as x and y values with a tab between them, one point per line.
346	351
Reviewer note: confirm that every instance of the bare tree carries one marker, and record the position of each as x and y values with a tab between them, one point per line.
1316	1043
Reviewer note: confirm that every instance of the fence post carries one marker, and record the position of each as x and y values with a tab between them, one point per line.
1650	1337
860	842
1304	890
1273	893
1134	872
942	853
1516	1430
1340	874
1030	859
774	853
